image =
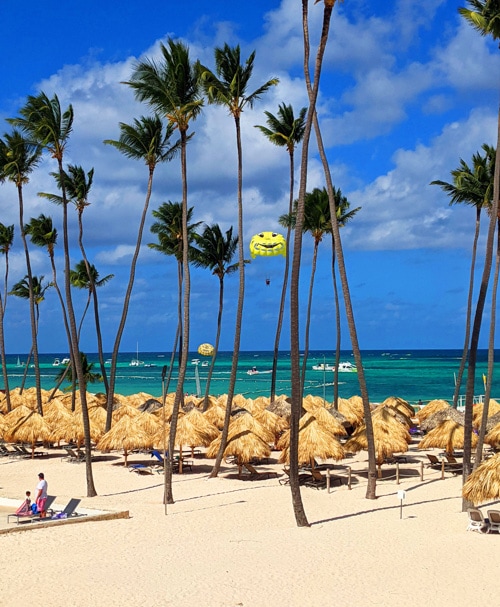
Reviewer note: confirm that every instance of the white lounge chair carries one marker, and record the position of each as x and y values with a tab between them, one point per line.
477	521
494	520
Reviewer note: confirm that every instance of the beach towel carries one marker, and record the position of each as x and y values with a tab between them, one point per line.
23	509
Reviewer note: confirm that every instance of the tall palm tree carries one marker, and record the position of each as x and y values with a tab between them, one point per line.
172	88
472	186
286	131
77	185
147	139
317	222
19	158
46	123
32	289
6	240
485	17
227	86
168	228
215	252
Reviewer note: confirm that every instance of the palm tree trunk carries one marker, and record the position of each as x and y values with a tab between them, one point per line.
476	327
179	393
338	331
239	309
216	345
465	351
34	329
126	303
284	288
25	373
4	358
75	345
308	314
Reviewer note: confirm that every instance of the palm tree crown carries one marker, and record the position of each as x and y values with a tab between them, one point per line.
284	129
484	16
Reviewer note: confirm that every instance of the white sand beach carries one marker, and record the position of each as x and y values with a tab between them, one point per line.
228	542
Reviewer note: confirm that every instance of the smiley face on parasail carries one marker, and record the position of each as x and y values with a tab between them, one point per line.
267	244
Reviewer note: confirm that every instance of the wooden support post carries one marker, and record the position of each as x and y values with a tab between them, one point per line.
349	477
397	473
328	480
422	472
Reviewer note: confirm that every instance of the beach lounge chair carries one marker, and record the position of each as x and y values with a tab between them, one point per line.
140	469
316	480
73	456
434	462
303	477
69	510
26	453
494	520
256	475
477	522
29	516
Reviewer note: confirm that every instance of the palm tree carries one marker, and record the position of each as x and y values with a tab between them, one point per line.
172	88
485	17
148	140
215	252
33	289
317	221
18	159
6	240
89	375
228	87
168	229
472	186
44	122
77	184
286	131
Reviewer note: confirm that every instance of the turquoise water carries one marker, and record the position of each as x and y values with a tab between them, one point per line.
410	374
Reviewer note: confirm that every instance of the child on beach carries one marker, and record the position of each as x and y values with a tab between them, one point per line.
25	507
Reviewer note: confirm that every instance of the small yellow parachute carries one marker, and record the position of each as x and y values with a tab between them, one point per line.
267	244
206	350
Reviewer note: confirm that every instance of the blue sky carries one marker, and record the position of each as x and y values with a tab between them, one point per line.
407	90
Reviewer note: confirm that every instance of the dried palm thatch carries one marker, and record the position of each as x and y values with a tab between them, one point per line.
399	404
315	441
437	418
492	422
282	407
150	405
16	414
3	425
127	433
449	435
484	483
247	439
402	418
430	408
390	437
29	429
493	436
328	421
477	412
125	409
271	421
215	415
352	409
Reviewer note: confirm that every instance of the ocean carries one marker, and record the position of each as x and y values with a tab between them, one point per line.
415	375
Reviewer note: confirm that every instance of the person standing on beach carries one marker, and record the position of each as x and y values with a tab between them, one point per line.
41	494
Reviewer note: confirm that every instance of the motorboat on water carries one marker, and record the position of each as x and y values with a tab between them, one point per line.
347	367
57	362
136	362
323	367
253	371
195	361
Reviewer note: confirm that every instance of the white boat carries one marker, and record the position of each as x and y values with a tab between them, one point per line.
195	361
347	367
56	362
136	362
323	367
252	371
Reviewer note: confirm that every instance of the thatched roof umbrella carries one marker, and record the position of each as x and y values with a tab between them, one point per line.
477	412
125	409
389	434
29	429
193	429
17	414
400	404
247	439
271	421
282	407
492	422
493	436
57	415
3	425
430	408
71	429
329	421
352	409
128	433
449	435
437	418
484	483
315	440
398	414
215	415
150	405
